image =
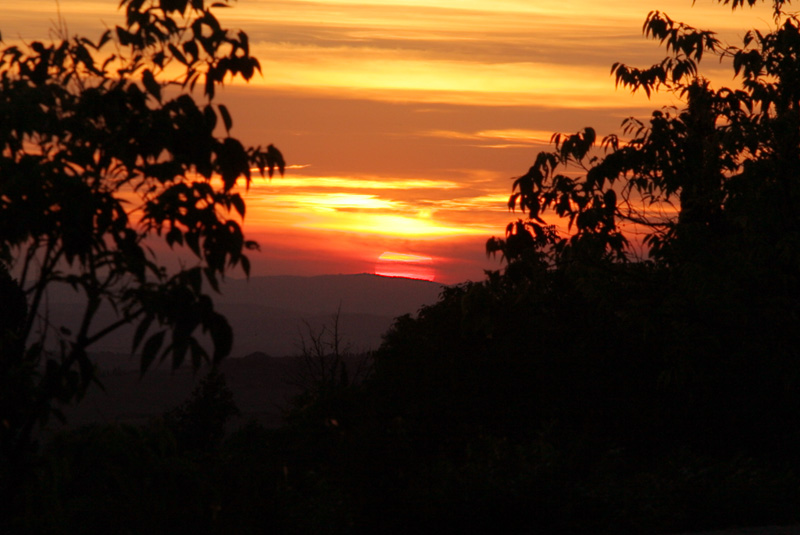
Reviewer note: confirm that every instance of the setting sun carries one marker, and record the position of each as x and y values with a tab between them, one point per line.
405	265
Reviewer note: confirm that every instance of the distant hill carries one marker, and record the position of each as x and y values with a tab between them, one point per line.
356	294
273	314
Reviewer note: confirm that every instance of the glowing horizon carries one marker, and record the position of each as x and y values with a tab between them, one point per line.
406	265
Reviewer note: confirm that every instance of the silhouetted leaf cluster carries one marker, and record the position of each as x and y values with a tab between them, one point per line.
103	149
722	169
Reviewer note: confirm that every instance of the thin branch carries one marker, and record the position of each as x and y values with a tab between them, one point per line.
52	255
128	318
30	253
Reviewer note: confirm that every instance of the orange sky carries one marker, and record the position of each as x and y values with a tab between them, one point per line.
403	121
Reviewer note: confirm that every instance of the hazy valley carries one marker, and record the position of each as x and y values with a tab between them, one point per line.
271	316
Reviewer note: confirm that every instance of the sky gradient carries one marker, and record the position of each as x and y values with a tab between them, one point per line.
403	121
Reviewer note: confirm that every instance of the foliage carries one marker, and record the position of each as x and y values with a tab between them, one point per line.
102	478
716	175
705	331
137	479
199	423
103	149
326	370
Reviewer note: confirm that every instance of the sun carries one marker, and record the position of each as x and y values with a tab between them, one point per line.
405	265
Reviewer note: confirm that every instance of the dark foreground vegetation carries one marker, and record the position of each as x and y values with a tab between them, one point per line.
578	390
462	425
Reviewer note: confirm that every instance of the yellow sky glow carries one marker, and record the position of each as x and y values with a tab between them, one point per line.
403	257
299	202
526	83
334	182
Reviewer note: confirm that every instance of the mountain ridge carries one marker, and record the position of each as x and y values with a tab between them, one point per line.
324	294
272	314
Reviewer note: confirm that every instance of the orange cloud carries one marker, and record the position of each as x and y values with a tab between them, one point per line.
390	207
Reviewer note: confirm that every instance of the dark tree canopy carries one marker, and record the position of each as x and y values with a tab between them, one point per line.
104	147
595	366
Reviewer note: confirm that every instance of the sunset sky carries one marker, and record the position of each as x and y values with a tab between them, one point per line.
403	121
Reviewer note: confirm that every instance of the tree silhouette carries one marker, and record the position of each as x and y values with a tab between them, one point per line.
714	185
722	169
595	366
199	423
104	148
